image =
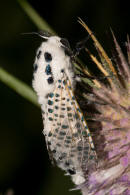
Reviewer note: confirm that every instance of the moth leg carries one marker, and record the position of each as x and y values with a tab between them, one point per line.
80	46
85	75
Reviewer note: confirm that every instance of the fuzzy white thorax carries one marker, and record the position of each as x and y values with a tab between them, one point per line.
59	61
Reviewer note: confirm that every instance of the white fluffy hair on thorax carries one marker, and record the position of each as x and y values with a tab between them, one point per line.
60	61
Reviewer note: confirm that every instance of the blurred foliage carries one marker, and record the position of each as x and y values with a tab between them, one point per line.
24	164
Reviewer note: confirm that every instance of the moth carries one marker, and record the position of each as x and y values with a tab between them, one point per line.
67	136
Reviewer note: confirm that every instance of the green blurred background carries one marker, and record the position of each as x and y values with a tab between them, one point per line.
24	163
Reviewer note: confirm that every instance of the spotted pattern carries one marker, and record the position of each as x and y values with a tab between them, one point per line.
69	137
48	72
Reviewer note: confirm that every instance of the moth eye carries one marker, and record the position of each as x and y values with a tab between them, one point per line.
48	57
65	42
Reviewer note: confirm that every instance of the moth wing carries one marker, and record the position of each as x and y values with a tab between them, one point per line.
81	136
71	142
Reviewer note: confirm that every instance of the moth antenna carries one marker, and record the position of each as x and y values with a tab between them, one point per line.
41	33
30	33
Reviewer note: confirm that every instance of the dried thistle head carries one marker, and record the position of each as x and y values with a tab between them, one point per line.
110	125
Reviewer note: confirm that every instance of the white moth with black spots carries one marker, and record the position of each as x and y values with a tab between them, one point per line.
66	132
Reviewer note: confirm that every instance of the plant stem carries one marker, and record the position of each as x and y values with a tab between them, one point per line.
34	16
20	87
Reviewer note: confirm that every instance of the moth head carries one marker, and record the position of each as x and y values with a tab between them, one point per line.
50	38
60	42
